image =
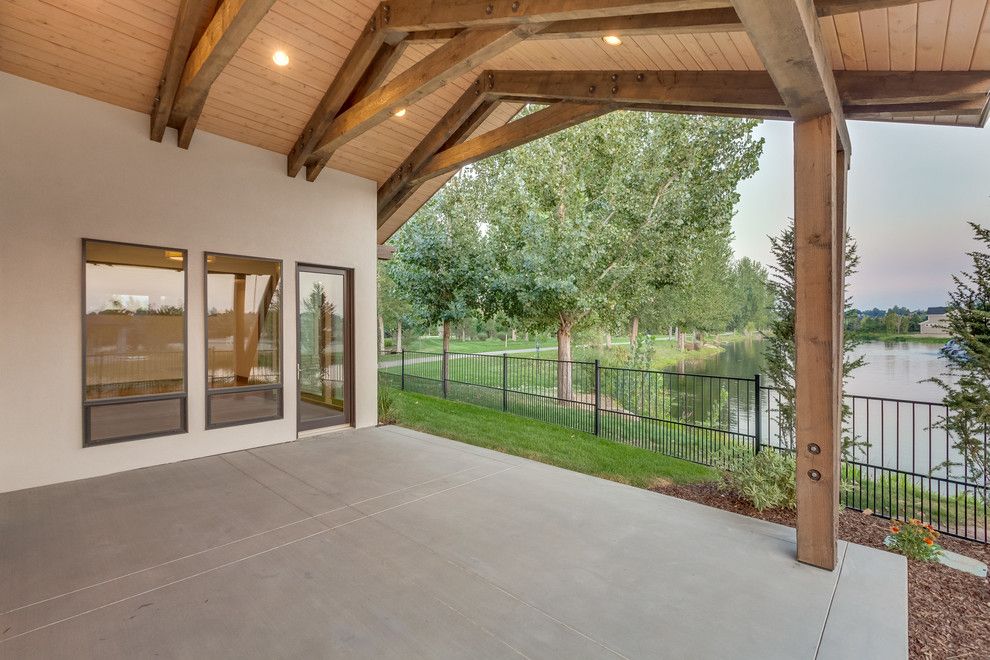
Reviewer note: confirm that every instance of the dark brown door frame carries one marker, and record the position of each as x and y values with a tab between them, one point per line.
349	385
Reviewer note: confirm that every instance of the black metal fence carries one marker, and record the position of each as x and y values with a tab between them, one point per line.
899	461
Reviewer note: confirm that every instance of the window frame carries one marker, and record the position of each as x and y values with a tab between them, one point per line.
183	396
349	341
210	392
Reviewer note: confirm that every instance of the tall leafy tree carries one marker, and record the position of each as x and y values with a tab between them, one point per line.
779	345
393	308
968	398
578	219
752	297
441	265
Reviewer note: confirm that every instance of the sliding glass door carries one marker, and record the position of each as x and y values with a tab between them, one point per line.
324	369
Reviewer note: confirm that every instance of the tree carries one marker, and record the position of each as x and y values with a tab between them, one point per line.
968	399
751	296
779	346
393	308
589	217
441	265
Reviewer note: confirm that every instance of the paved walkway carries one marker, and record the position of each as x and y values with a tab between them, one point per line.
387	543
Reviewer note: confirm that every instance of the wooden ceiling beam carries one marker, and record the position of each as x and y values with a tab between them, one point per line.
788	39
467	113
188	28
370	45
415	15
233	22
553	118
717	19
456	57
971	107
836	7
743	89
871	87
383	63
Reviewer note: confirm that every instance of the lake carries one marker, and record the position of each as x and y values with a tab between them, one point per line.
894	370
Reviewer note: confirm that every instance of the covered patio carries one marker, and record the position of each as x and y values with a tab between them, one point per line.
375	542
389	543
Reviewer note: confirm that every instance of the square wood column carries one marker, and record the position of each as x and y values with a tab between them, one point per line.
819	228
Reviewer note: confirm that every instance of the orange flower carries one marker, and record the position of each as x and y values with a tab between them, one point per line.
928	541
895	529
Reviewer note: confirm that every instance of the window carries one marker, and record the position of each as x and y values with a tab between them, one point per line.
243	340
134	333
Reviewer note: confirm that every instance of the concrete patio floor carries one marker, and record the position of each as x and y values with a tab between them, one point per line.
388	543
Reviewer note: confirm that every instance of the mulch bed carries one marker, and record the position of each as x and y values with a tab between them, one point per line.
948	610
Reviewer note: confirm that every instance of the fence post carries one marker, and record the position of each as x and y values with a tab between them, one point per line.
443	373
759	416
505	381
598	398
403	372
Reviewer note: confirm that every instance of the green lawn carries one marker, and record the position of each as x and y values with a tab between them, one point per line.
912	337
435	344
547	443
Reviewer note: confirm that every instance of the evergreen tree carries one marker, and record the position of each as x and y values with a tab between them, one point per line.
779	347
968	399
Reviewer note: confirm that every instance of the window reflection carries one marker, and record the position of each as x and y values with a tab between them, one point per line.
135	320
244	342
135	341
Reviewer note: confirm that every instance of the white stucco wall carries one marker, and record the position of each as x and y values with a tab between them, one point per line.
73	168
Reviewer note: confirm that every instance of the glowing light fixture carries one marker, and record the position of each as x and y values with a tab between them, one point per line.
401	112
174	255
612	40
280	58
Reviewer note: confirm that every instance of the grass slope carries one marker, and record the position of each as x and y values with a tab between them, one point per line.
573	450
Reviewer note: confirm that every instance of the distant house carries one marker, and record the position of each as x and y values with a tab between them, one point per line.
936	325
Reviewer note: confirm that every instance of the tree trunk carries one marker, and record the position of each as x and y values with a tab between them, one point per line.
398	336
680	340
381	334
670	332
633	332
565	390
513	334
608	340
462	333
526	336
446	348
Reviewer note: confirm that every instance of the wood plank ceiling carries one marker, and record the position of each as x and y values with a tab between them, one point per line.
114	51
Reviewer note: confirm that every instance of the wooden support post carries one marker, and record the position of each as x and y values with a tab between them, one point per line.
818	312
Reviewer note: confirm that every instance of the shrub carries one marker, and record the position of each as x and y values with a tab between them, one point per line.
765	480
386	405
914	539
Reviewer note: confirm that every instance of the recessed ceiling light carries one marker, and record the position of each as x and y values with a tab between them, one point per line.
280	58
401	112
612	40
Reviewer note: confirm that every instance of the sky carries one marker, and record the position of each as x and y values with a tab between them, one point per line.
912	190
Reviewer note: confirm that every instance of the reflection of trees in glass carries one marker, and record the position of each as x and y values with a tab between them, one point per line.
322	333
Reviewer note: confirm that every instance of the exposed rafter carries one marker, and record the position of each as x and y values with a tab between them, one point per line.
788	38
233	21
866	95
415	15
729	89
369	46
553	118
189	24
474	105
456	57
719	19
